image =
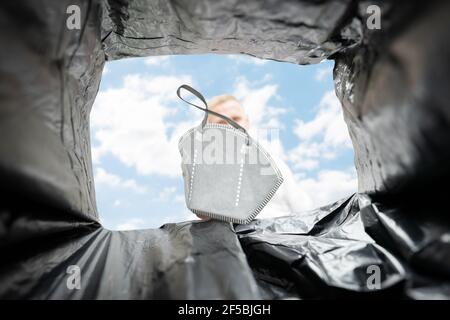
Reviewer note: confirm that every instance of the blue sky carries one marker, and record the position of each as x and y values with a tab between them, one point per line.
137	119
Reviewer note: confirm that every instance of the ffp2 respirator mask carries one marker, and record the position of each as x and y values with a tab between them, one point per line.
227	175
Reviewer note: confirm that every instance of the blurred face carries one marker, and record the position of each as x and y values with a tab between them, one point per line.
231	109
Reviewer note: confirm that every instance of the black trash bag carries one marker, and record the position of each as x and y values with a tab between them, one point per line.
352	248
389	240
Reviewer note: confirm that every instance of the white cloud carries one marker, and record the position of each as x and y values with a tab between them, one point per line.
117	203
180	198
299	194
102	177
166	193
95	155
322	137
131	224
323	73
267	77
140	223
185	215
133	123
256	103
328	186
328	123
157	60
246	59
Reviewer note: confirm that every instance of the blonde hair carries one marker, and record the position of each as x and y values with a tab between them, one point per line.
218	100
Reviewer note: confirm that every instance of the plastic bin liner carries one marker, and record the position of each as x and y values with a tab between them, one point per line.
391	239
329	252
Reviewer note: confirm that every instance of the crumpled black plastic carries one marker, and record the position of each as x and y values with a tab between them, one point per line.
393	86
324	253
330	252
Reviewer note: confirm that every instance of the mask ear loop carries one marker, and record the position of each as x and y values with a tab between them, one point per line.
206	110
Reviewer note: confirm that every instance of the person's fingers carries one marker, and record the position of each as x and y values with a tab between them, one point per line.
204	218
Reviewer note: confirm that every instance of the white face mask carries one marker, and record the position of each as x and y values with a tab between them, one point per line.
227	175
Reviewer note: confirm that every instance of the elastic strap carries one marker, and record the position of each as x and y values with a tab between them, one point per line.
200	96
